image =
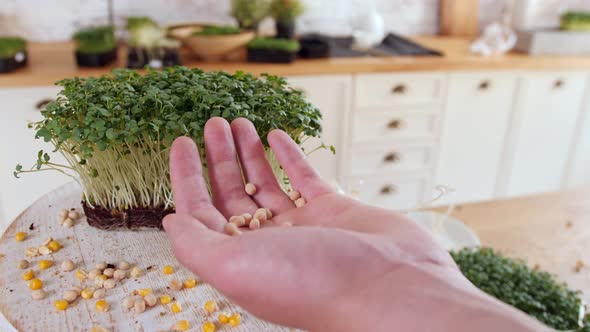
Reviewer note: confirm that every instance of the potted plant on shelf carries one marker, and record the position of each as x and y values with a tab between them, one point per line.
272	50
216	42
13	54
285	12
95	46
148	45
249	13
115	131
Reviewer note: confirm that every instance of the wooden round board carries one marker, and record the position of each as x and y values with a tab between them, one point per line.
87	246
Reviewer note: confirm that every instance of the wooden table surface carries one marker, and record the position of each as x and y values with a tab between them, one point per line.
50	62
552	230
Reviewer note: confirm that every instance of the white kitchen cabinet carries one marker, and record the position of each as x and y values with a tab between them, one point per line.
578	174
548	106
473	134
18	107
332	95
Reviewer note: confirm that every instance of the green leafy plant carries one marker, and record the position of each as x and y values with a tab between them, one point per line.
287	45
286	11
249	13
212	30
10	46
115	131
575	21
534	292
93	40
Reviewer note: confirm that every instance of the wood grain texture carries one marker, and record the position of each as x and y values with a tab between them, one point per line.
87	246
50	62
551	230
459	18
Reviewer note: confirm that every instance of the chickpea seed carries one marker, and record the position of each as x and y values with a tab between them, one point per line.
109	272
254	224
123	265
110	283
99	294
23	264
70	296
150	300
38	294
67	265
119	274
300	202
139	305
238	220
250	189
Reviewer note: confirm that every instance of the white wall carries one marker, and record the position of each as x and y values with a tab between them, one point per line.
48	20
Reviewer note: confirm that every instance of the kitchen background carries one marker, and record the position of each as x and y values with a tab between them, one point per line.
43	20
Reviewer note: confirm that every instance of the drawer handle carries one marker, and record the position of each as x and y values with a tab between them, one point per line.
484	85
395	124
42	103
558	84
391	157
388	189
399	89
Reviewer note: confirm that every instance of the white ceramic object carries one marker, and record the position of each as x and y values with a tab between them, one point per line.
449	232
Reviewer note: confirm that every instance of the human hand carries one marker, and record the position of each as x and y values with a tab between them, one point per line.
342	266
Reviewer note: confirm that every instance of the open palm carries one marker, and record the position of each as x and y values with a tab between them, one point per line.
338	257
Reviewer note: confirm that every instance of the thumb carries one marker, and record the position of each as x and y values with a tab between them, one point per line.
194	245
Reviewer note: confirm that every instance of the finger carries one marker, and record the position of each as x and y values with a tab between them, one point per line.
302	175
195	246
225	174
257	169
191	196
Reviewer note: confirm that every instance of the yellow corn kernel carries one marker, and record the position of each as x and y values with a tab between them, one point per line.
54	246
235	320
20	236
44	264
208	327
35	284
87	293
81	274
144	291
101	305
210	306
28	275
181	325
165	299
176	307
61	304
223	318
190	283
168	269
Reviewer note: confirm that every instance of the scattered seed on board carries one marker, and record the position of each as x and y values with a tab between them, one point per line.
175	285
67	265
20	236
70	296
135	272
38	294
110	283
250	189
69	223
32	252
139	305
109	272
211	306
76	289
99	328
119	274
23	264
182	325
93	274
237	220
102	305
232	229
129	302
124	265
254	224
300	202
150	300
43	250
99	280
88	293
99	294
63	214
294	195
81	274
47	241
101	266
73	215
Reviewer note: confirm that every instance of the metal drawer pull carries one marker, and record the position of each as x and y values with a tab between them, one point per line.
42	103
391	157
484	85
559	83
395	124
388	189
399	89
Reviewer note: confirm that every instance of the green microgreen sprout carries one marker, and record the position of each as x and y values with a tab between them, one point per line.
10	46
95	40
212	30
115	131
287	45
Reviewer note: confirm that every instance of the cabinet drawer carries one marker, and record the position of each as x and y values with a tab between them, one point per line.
379	90
389	157
371	126
391	193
